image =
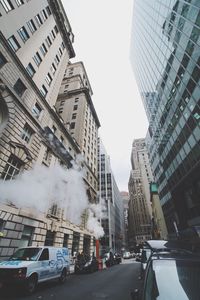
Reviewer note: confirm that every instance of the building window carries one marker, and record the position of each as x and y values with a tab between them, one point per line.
57	60
53	35
56	29
7	5
65	240
37	59
49	42
19	2
76	100
53	129
53	68
43	12
50	236
13	43
27	132
48	10
43	49
60	52
53	210
26	237
1	225
38	20
43	90
12	168
3	60
36	110
63	46
30	70
75	107
74	116
47	155
48	79
19	87
23	34
61	139
72	125
31	26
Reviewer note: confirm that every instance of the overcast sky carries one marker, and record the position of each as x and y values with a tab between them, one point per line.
102	30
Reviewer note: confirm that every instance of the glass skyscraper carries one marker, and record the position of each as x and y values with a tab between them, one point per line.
165	54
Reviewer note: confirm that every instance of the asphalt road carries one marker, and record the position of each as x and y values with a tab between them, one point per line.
113	283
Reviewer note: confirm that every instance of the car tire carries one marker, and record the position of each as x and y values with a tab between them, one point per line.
31	284
63	276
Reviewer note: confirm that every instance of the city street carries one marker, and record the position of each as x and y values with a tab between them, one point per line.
114	283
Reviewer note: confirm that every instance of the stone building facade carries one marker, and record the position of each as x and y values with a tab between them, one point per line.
35	48
75	106
139	219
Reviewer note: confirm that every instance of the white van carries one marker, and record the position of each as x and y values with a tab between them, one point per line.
127	254
31	265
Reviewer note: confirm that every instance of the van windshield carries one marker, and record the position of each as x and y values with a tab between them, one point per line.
26	254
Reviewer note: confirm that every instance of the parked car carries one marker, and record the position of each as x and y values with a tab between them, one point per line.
127	255
138	256
86	265
109	259
31	265
171	276
132	254
117	258
172	272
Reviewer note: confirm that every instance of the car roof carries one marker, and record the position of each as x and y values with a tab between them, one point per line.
155	244
158	245
175	255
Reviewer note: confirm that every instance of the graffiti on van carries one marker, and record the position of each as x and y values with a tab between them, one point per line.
10	263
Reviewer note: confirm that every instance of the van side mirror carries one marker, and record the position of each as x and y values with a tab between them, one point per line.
135	294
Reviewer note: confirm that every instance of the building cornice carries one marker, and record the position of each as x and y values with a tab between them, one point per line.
88	97
71	65
61	19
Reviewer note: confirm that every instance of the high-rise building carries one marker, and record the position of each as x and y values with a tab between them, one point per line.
139	218
165	54
76	108
111	200
125	197
35	48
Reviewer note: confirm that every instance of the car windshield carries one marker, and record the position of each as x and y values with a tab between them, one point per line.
173	279
25	254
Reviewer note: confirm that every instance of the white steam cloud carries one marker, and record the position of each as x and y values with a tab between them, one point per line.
41	187
95	213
